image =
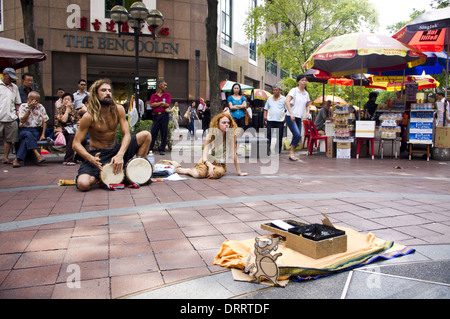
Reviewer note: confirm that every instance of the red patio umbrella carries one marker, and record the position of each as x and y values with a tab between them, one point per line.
431	26
431	41
16	55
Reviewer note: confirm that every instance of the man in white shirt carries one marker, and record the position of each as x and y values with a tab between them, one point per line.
9	104
32	125
79	95
274	115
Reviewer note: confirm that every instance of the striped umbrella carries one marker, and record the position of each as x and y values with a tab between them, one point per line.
258	94
363	53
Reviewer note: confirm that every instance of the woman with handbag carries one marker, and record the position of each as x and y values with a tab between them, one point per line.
66	123
191	118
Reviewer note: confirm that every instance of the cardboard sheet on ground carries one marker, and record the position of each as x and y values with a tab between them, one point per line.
362	249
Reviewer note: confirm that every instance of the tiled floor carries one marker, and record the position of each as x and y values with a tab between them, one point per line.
114	244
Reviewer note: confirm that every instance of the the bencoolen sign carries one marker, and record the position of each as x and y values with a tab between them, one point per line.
114	44
103	26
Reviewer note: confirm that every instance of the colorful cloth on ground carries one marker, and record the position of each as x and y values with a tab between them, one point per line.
362	249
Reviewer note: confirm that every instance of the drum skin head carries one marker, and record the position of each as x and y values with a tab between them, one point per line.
138	171
108	177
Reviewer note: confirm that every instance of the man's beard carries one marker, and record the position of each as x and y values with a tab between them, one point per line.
107	101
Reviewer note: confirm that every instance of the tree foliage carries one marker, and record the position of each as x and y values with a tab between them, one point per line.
439	4
290	30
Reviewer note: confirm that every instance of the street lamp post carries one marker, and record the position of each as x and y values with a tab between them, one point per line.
135	19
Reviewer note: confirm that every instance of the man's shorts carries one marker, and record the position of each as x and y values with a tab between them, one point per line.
10	131
105	157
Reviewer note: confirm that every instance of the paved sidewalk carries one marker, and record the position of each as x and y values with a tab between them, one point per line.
160	240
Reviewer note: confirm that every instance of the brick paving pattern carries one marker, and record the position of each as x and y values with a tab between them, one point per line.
132	240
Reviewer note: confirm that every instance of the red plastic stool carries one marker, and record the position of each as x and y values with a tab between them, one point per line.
363	139
306	133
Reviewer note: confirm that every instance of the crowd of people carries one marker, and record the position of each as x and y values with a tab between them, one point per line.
23	121
93	114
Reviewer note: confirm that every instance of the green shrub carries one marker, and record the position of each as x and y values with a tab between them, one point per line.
146	125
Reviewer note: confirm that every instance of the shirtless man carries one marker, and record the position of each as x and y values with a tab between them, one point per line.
100	122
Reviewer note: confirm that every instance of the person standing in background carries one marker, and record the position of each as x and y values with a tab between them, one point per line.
237	104
206	118
370	107
9	106
60	92
80	94
297	104
274	115
159	102
175	116
26	87
191	126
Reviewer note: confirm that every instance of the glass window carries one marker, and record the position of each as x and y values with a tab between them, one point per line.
252	50
109	4
226	22
271	66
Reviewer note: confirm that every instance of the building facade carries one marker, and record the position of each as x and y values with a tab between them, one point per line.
82	42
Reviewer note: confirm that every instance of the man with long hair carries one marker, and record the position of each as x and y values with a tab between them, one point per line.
100	122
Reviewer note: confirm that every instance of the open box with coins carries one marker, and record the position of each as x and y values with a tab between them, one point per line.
313	240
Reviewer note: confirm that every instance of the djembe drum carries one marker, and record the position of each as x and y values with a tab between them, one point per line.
108	177
138	171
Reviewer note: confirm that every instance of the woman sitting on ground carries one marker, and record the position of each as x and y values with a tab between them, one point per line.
221	137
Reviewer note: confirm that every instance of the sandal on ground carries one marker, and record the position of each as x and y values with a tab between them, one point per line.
15	163
293	158
69	163
40	160
6	162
